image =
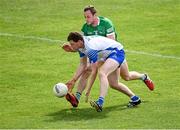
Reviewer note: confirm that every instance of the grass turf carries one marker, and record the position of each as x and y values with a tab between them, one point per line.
30	67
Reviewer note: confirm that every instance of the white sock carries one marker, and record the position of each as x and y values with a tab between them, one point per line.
144	77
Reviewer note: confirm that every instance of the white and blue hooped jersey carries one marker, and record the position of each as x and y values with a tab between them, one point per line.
99	48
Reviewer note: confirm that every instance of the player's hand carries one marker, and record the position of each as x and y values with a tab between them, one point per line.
87	97
68	48
70	84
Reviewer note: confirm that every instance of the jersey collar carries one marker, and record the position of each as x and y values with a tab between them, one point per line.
98	21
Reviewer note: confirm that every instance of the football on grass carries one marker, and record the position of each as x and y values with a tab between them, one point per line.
60	90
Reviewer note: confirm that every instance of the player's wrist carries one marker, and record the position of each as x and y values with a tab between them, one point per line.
74	79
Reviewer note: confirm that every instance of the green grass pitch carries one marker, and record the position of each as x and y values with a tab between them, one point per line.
31	62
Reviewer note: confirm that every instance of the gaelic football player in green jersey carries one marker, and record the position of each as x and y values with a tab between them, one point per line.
96	25
101	26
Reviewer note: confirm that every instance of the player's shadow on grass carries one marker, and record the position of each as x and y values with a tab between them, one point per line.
76	114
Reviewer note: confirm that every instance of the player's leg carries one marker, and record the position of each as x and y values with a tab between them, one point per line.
108	67
113	82
129	75
133	75
83	82
111	64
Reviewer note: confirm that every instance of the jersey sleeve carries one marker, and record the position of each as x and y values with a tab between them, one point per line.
81	54
84	30
109	26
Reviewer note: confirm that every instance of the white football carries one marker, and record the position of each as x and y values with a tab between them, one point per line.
60	90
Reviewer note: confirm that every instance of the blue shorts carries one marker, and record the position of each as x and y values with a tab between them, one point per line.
118	55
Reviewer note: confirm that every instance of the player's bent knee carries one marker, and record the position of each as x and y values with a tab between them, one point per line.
113	84
126	78
101	73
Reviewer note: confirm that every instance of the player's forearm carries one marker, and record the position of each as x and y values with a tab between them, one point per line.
79	71
91	82
92	79
81	68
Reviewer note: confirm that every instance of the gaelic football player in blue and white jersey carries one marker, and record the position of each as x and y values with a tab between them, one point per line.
111	53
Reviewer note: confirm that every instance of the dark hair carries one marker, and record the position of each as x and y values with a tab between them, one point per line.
90	8
75	36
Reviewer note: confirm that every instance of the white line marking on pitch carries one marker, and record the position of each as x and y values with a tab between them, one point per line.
30	37
154	55
60	41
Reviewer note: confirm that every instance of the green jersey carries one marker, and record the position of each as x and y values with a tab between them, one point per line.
104	28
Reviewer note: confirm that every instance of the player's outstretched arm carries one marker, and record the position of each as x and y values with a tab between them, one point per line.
81	68
93	76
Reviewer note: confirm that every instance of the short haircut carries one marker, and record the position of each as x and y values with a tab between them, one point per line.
91	9
75	36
